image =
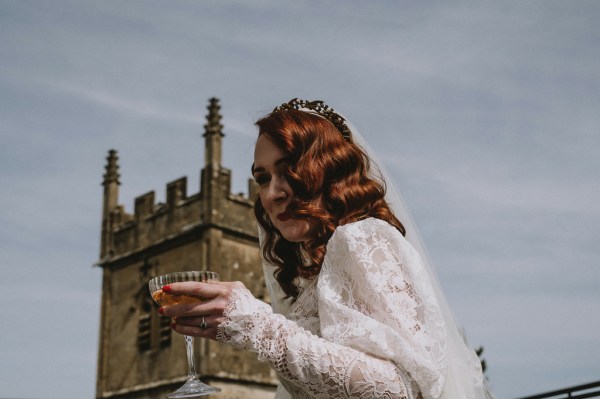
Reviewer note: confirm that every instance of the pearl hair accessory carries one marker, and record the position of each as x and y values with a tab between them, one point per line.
320	108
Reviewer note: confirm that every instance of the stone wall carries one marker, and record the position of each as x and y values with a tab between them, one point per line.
139	356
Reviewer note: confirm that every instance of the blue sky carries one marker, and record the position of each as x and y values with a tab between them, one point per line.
485	113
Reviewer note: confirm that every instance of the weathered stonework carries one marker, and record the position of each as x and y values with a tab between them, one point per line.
139	356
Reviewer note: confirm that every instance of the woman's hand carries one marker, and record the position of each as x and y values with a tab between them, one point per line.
199	319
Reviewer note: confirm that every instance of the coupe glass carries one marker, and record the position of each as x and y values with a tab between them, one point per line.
193	386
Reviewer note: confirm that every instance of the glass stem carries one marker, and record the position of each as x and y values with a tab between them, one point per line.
189	345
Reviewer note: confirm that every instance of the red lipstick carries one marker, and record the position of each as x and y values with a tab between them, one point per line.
283	216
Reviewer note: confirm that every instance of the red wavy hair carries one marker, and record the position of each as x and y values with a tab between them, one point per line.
330	179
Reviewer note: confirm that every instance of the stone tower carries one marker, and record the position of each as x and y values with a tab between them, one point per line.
139	356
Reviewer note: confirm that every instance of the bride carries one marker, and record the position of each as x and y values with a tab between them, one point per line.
356	310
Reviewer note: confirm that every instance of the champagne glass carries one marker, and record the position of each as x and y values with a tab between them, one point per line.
193	386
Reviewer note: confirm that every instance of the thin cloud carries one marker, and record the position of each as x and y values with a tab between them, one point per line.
486	115
121	104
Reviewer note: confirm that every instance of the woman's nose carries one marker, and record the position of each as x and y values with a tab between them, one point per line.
277	191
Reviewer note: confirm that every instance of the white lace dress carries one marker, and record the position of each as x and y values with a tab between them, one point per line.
367	327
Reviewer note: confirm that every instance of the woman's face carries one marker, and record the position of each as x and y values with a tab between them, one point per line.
270	164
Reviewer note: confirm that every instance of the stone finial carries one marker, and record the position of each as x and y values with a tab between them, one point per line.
111	197
213	136
213	125
112	169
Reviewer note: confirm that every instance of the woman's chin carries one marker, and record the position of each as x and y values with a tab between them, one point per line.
293	237
294	234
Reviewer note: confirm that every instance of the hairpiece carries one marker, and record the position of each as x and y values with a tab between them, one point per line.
320	108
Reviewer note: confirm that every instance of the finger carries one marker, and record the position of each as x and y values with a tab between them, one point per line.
215	306
211	321
210	332
208	289
195	289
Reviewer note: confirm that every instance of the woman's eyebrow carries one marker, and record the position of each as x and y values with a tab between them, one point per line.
280	161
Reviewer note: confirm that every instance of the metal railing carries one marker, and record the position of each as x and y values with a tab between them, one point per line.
590	390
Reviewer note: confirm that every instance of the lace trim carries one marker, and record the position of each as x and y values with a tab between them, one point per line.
307	365
375	296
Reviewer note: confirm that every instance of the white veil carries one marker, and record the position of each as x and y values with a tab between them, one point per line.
464	379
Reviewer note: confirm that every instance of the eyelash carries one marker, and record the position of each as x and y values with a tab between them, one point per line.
265	177
261	179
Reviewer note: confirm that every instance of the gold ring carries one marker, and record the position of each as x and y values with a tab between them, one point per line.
203	324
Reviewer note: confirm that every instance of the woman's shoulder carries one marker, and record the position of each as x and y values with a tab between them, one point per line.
365	225
369	228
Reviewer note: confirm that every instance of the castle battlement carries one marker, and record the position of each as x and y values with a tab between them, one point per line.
139	356
152	223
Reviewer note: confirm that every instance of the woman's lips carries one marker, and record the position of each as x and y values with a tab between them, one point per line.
283	216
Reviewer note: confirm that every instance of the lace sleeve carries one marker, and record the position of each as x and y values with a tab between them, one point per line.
312	365
375	297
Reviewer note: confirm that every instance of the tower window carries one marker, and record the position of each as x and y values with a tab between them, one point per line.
154	331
